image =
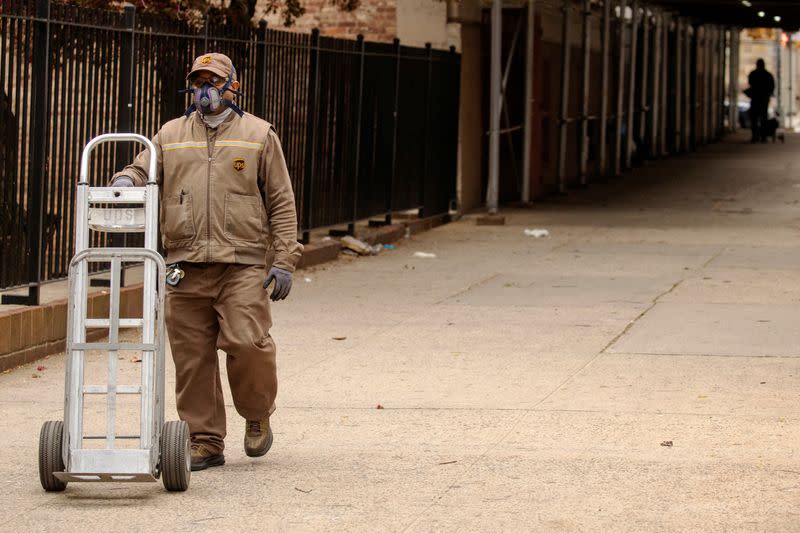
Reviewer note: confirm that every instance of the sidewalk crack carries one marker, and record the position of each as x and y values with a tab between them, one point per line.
469	288
460	476
641	315
611	342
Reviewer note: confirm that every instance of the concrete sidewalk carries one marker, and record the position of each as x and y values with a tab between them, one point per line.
638	370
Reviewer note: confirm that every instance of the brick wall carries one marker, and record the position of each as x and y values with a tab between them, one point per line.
375	19
30	333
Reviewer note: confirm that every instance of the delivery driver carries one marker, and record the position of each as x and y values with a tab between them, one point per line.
227	215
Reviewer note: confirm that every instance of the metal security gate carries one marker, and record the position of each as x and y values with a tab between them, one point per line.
367	128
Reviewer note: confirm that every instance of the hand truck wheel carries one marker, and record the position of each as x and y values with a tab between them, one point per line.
176	459
50	458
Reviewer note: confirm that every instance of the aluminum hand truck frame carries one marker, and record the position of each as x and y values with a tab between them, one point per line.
163	448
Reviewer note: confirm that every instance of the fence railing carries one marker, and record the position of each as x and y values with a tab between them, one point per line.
368	128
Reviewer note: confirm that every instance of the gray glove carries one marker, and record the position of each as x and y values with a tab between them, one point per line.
122	181
283	283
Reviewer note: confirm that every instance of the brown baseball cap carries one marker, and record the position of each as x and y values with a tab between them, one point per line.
219	64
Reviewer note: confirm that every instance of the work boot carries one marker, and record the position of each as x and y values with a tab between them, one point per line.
202	457
257	437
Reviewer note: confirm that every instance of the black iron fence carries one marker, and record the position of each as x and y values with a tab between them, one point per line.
368	128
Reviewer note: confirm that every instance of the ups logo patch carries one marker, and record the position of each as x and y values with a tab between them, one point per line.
238	164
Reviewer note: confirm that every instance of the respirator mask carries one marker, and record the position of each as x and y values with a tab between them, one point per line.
207	98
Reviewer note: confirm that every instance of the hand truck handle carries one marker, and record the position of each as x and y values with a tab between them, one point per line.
118	137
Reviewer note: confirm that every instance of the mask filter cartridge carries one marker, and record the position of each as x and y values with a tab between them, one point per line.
207	98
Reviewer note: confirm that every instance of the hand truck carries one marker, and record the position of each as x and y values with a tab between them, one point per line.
163	448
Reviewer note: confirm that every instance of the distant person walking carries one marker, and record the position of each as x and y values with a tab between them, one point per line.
762	85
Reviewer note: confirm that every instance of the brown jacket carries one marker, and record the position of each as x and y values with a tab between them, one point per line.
226	196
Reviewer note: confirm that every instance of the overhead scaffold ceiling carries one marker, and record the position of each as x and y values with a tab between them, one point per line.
743	13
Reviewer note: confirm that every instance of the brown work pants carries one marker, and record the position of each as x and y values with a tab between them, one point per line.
221	306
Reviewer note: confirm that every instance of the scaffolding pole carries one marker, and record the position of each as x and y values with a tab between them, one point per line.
665	84
686	119
529	49
779	73
629	142
606	43
563	118
587	54
790	88
677	119
643	102
655	108
620	110
492	192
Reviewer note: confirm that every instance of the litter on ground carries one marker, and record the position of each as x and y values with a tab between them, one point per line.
424	255
537	233
360	247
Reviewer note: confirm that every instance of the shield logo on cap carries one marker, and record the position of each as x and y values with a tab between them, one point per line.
238	164
206	60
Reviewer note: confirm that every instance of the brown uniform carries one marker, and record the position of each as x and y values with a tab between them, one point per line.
228	215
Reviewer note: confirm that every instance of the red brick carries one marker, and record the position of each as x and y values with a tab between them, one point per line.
11	360
375	19
47	333
8	333
59	325
38	326
24	329
317	253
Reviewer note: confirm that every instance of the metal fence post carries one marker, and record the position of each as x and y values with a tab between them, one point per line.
455	110
259	100
735	79
37	169
395	116
125	88
205	34
790	89
708	117
124	116
720	80
426	160
693	55
563	118
311	135
587	54
724	65
707	86
779	74
351	228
